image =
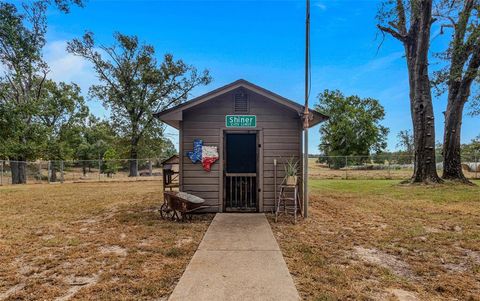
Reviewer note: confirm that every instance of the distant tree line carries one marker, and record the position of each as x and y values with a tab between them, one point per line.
48	120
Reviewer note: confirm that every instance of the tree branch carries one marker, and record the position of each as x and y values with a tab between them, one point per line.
402	23
392	32
472	70
39	90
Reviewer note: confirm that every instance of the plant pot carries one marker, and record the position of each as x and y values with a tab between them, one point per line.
291	180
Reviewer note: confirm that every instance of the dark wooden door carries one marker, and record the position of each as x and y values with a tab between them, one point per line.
240	172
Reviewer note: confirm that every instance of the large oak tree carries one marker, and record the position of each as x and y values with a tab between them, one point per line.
354	127
134	84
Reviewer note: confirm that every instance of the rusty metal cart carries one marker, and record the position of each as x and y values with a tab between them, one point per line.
179	206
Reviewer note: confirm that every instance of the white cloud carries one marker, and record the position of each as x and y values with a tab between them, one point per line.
67	67
320	5
381	62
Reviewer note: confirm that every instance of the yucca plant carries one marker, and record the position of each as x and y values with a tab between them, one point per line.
291	170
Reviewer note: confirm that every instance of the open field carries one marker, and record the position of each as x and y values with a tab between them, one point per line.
92	241
386	172
374	240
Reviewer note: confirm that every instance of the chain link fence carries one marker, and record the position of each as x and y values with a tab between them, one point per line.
380	167
82	170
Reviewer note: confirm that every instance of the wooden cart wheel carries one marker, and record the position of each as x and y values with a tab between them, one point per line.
165	212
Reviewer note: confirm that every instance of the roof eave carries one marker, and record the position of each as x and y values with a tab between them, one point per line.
317	118
177	111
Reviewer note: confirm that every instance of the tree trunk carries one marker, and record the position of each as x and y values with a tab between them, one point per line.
461	76
53	172
421	107
416	41
133	168
19	171
452	163
133	162
425	169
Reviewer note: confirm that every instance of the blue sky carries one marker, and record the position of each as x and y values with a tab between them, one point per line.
260	41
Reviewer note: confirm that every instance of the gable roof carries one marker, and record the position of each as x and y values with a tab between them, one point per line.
173	115
172	159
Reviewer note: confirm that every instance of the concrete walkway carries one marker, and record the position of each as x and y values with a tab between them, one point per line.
238	259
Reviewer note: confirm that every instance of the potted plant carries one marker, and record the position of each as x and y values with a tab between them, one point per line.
291	171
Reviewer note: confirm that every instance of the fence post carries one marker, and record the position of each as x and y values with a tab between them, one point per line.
99	169
136	174
150	168
49	170
40	171
1	172
61	172
389	175
346	168
476	166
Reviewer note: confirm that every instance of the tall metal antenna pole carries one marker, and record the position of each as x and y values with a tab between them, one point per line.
306	113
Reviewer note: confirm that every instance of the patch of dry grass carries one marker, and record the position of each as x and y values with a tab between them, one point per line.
378	240
91	241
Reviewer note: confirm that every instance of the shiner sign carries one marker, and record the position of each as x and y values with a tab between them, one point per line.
240	121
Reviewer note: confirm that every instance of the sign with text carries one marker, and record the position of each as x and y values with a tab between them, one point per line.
240	121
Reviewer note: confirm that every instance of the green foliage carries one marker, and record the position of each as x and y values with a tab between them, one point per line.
42	119
64	5
92	142
134	85
354	127
110	164
154	144
475	103
405	141
460	61
291	167
22	84
95	139
22	38
472	149
407	148
62	111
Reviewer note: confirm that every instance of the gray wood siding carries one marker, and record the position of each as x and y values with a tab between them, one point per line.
281	129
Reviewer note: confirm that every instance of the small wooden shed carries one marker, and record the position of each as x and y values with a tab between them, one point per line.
247	127
170	172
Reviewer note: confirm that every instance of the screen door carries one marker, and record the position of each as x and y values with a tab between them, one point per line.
241	172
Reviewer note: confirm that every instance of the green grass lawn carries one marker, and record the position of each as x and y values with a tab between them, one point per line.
394	189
